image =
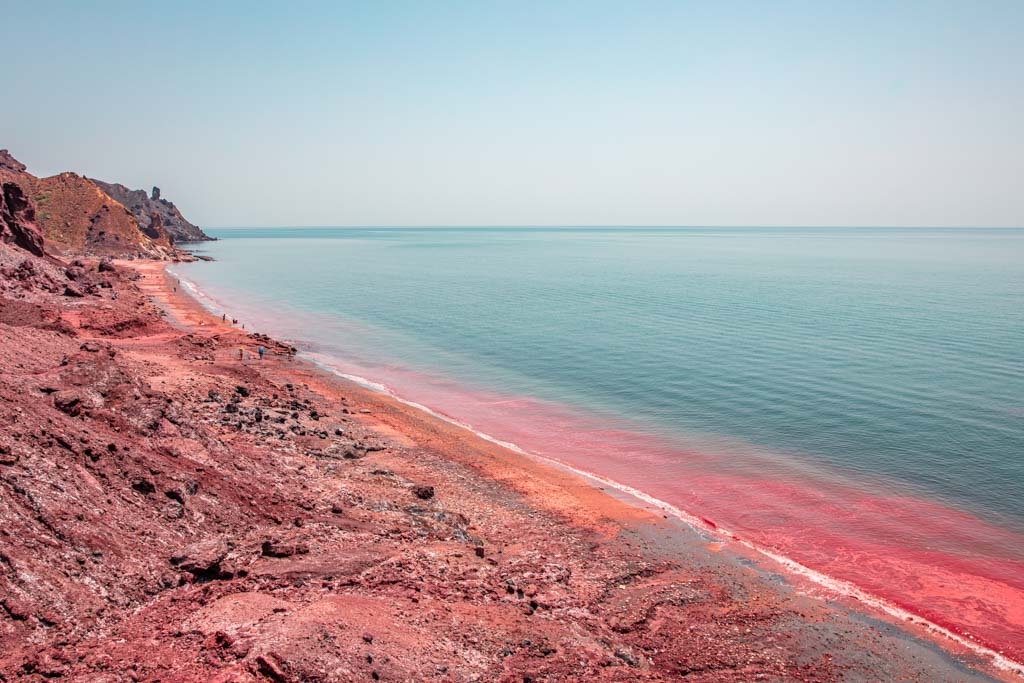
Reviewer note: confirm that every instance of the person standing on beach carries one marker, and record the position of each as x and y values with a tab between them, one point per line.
260	351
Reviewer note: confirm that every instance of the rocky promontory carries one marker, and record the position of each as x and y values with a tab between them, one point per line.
153	208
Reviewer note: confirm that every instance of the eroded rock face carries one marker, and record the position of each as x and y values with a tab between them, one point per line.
155	229
9	163
152	208
18	217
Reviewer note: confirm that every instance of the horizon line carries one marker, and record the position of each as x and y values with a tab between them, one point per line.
663	226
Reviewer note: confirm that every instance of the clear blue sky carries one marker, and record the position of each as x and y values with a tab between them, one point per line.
523	113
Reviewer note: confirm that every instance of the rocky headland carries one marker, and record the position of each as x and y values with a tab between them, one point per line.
153	212
174	509
79	216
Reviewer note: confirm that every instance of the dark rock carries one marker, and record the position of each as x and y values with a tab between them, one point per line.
18	217
7	457
242	391
269	666
283	547
155	228
627	657
143	486
423	492
202	559
68	402
73	290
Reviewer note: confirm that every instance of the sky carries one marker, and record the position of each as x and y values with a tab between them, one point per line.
530	113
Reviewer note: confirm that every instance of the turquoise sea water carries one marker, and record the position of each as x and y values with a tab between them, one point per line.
887	352
863	388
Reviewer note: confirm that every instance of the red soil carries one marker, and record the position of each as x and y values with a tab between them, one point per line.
169	512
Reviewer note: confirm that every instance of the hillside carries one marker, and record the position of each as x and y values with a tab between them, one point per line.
76	216
79	217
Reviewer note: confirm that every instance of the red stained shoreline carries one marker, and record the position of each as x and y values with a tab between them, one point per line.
939	564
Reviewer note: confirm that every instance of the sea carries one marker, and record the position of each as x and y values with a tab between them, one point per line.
849	401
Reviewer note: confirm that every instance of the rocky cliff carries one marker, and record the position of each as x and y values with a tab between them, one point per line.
146	207
74	215
17	219
17	210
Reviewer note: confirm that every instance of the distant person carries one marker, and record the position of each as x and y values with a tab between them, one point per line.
241	352
260	351
224	317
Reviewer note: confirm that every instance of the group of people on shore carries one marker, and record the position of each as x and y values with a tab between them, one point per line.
260	350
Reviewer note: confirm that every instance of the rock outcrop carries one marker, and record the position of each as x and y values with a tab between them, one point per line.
9	164
147	208
17	219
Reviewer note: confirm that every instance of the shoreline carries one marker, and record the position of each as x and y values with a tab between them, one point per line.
173	512
651	510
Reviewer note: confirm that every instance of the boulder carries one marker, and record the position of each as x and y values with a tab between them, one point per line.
284	547
202	559
423	492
